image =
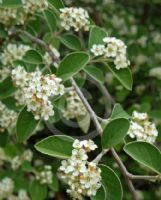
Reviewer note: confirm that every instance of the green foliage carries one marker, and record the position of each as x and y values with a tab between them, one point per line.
56	146
33	57
71	41
146	154
26	125
114	132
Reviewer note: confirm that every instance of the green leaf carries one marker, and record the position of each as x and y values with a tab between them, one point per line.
124	76
6	88
56	3
146	154
33	57
10	3
71	41
50	19
56	146
84	122
72	64
26	125
37	191
118	112
55	184
111	183
96	36
100	195
95	73
114	132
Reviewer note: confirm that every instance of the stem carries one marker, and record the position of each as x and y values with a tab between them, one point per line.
88	107
125	174
99	157
144	177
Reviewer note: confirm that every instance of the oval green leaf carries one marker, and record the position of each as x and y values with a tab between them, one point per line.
71	41
100	195
124	76
72	64
50	19
56	4
119	112
146	154
33	57
26	125
37	191
59	146
6	88
96	36
114	132
10	3
95	73
111	183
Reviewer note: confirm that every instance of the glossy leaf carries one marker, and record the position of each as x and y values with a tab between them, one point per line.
111	183
6	88
96	36
146	154
70	41
26	124
124	76
50	19
118	112
56	3
72	64
33	57
37	191
95	73
114	132
56	146
100	195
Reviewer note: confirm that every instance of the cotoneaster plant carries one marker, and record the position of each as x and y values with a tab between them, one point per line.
62	132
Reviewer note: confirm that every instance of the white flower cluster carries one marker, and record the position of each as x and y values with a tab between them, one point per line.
45	176
141	128
76	18
6	187
18	15
83	177
4	73
8	118
22	195
75	108
18	160
13	52
38	89
48	60
113	48
33	6
155	72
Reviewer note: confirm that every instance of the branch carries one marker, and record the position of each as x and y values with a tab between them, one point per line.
125	174
88	107
144	177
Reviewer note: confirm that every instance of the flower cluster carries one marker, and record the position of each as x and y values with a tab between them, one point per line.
13	52
141	128
155	72
48	60
17	161
45	176
6	187
76	18
18	15
32	6
75	108
38	89
8	118
83	177
113	48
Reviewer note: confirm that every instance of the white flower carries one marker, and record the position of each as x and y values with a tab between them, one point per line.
83	177
48	60
141	128
22	195
98	50
76	18
6	187
8	118
37	90
75	108
45	176
155	72
13	52
33	6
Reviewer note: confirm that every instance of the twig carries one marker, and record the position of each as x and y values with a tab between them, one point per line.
125	174
99	157
88	107
144	177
